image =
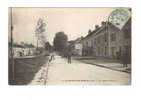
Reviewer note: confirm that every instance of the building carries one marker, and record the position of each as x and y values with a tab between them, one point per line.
120	40
101	41
95	43
23	50
88	43
108	41
76	46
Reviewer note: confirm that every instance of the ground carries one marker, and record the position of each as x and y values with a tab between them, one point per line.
59	72
25	69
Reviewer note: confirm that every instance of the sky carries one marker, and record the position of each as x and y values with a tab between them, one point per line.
75	22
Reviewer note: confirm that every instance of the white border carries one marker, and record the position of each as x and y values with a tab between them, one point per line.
70	92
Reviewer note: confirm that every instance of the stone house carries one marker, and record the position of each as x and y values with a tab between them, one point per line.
88	43
119	40
76	47
101	41
26	50
108	41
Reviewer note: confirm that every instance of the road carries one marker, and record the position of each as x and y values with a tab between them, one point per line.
59	72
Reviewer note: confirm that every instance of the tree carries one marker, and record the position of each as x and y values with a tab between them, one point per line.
39	32
60	42
48	46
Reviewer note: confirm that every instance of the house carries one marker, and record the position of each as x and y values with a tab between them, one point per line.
101	41
88	43
76	46
23	50
108	41
120	40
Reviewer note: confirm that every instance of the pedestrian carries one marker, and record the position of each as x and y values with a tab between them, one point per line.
20	53
69	57
124	59
50	58
117	55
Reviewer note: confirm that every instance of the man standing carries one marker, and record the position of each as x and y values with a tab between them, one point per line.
124	59
69	57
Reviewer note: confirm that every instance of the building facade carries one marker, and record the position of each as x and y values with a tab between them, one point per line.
101	41
108	41
88	43
120	40
96	42
76	46
20	50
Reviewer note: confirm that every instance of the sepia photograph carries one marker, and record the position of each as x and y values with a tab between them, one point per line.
69	46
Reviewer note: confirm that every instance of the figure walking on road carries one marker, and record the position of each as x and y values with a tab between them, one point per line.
124	60
69	57
51	57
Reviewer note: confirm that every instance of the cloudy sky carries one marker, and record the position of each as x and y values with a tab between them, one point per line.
75	22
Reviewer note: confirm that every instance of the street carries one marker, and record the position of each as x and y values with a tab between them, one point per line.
59	72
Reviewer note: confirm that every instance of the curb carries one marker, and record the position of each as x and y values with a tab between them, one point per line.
108	67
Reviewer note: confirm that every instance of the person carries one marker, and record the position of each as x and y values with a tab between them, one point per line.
124	59
20	53
69	57
52	56
49	59
117	55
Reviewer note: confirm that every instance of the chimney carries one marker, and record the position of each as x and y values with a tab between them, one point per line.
103	23
89	31
96	26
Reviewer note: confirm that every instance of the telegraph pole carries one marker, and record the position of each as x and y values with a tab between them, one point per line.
12	58
108	33
37	42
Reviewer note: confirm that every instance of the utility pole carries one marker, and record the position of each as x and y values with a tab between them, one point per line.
37	42
108	34
12	58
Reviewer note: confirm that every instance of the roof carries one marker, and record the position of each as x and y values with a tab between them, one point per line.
93	32
18	46
72	42
23	46
98	30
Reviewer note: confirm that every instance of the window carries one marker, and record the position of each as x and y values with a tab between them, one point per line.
98	51
86	44
113	51
113	37
105	51
105	37
95	41
98	40
91	43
